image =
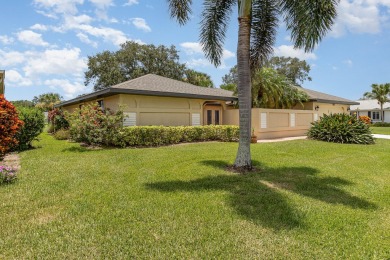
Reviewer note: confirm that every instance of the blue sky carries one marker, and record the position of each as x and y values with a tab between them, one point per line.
44	44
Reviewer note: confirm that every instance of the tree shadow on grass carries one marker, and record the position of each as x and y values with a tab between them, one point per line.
258	196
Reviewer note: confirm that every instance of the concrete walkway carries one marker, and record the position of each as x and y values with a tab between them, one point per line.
282	139
305	137
381	136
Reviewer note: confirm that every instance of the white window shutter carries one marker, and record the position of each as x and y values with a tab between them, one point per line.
195	119
292	120
130	119
263	120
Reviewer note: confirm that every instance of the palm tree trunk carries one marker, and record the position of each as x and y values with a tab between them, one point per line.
243	158
382	115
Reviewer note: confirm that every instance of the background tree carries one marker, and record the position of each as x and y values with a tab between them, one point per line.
273	90
47	101
23	103
296	70
133	60
198	78
258	21
380	92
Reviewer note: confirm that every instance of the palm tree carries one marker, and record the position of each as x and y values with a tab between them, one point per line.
381	93
258	20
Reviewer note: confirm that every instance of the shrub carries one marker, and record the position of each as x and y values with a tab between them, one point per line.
50	129
7	174
341	128
92	125
380	124
34	122
9	125
62	134
57	119
165	135
365	119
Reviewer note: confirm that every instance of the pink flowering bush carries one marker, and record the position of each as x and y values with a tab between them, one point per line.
7	174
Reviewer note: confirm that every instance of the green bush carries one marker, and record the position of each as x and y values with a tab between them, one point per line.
34	122
341	128
380	124
50	128
62	134
165	135
92	125
57	120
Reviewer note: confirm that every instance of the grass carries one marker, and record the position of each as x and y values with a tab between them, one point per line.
380	130
308	200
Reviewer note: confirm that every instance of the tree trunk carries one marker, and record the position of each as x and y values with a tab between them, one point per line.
382	114
243	158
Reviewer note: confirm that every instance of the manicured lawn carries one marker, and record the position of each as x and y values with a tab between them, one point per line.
380	130
308	200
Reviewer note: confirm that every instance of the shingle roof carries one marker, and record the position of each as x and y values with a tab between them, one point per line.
370	104
326	98
154	85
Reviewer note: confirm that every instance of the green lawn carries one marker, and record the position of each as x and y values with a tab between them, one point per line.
308	200
380	130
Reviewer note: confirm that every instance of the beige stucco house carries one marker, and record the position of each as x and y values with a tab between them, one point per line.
156	100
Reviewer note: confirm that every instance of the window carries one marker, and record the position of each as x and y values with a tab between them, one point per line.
101	104
209	117
375	115
216	118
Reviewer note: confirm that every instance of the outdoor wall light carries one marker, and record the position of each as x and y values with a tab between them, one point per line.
316	108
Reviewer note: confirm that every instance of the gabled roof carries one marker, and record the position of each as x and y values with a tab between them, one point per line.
154	85
370	104
326	98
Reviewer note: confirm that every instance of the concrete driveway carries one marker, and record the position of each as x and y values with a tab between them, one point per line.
381	136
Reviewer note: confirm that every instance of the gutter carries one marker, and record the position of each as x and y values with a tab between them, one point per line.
114	91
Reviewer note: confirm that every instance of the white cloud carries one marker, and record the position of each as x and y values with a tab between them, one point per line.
290	51
55	62
39	27
102	4
360	16
11	58
14	79
194	49
59	6
70	88
85	39
131	2
4	39
30	37
348	62
141	24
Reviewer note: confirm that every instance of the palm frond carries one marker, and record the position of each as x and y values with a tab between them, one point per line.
264	26
215	18
308	20
180	10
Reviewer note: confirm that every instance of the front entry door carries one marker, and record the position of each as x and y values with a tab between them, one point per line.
212	116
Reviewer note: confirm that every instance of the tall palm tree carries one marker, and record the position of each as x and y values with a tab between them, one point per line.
258	20
381	93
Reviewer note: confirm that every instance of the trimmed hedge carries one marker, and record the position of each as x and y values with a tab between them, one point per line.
380	124
166	135
341	128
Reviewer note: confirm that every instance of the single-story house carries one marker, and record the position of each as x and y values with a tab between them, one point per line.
372	109
156	100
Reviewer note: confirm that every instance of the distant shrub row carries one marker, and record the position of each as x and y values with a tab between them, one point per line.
380	124
166	135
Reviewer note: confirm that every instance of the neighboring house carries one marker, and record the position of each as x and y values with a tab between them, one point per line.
156	100
372	109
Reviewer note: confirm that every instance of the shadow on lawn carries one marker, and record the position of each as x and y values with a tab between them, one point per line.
256	196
